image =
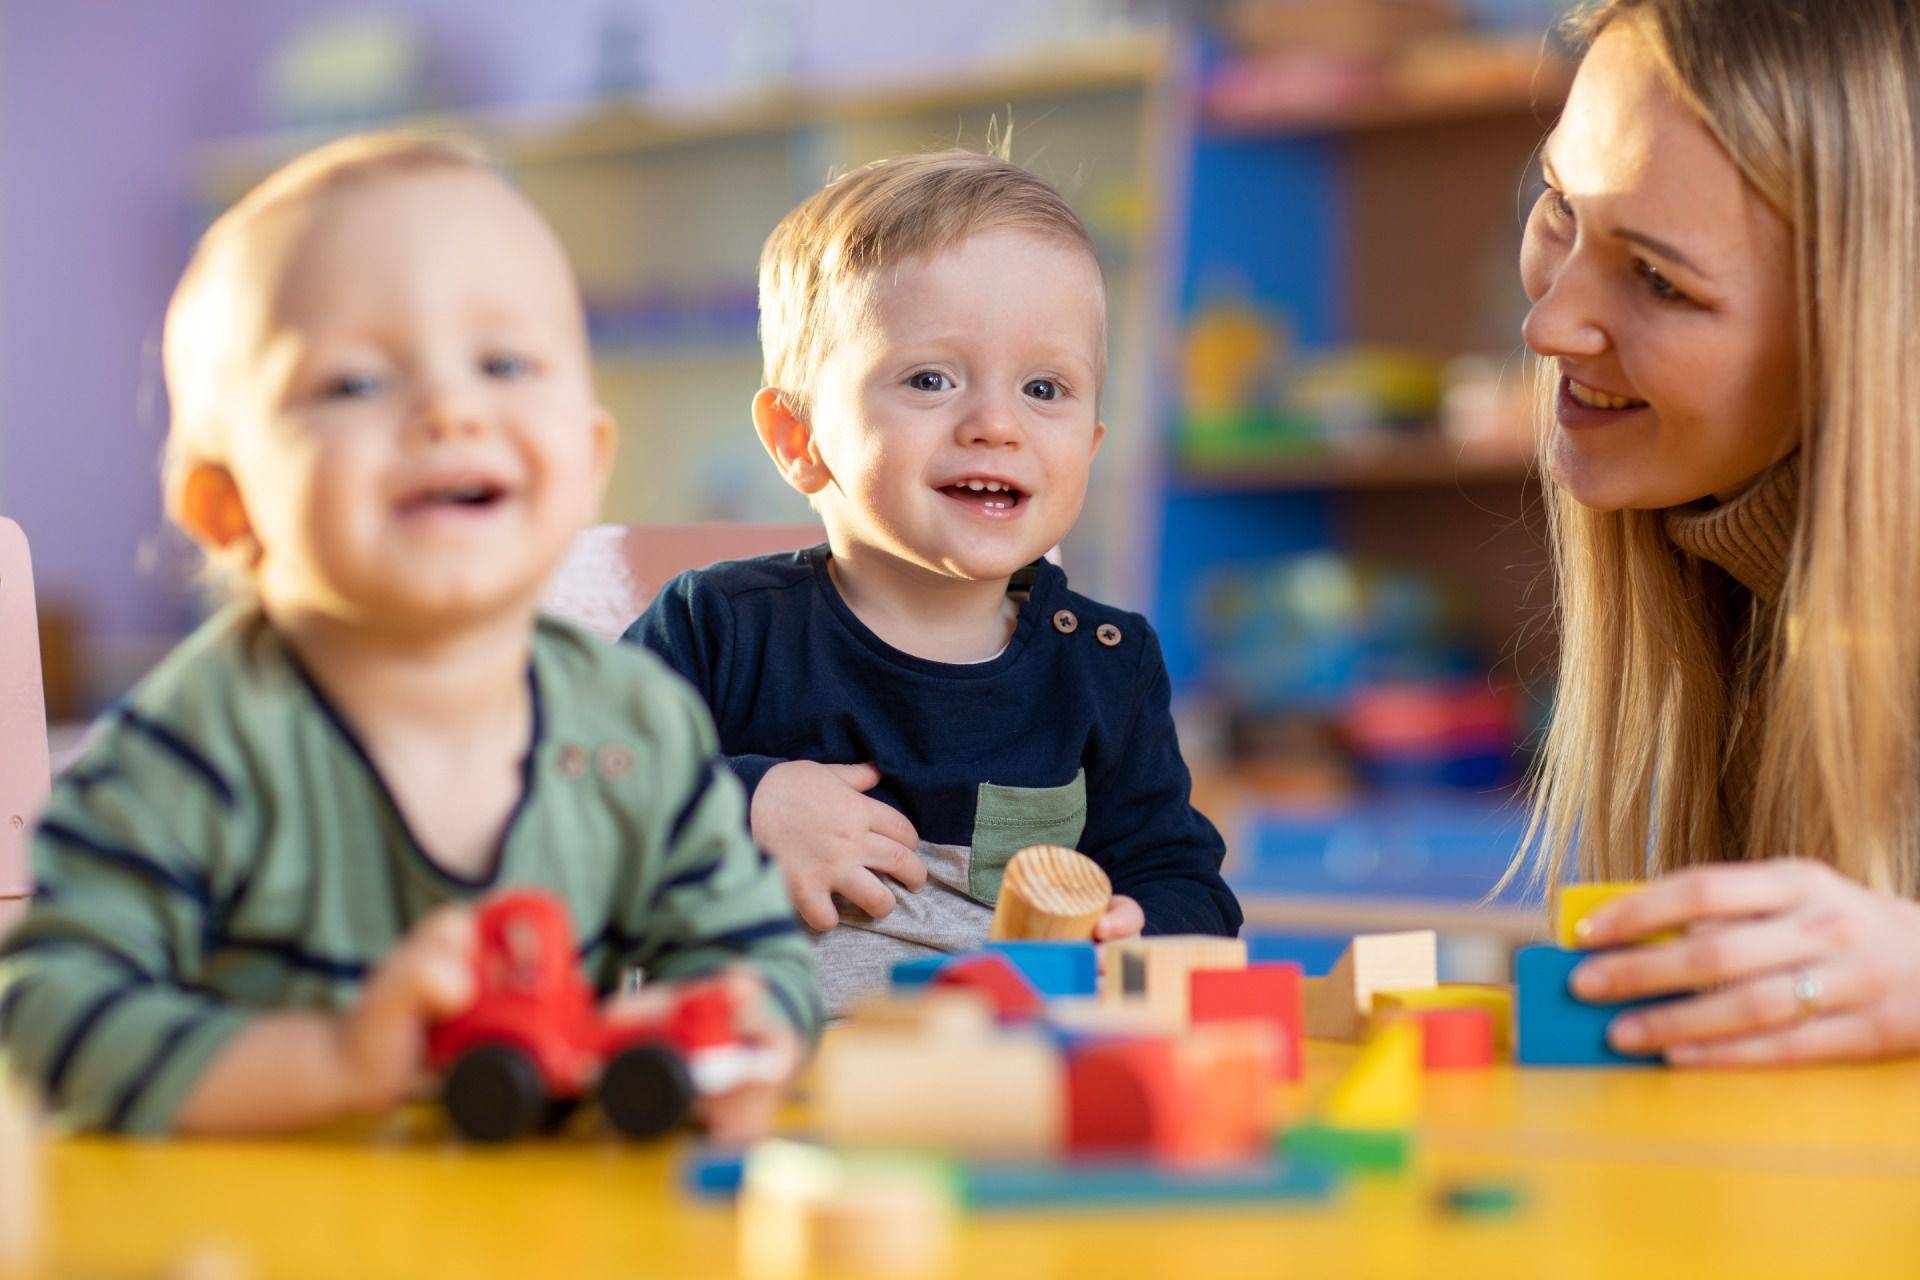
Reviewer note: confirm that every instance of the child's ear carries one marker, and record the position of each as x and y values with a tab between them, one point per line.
789	442
1099	434
211	507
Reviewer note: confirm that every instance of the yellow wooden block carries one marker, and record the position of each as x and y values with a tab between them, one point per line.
1575	902
1382	1088
1496	1000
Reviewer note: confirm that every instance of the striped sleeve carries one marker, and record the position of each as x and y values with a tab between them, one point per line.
94	1009
717	900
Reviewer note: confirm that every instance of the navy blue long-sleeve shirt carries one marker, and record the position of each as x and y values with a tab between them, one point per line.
990	756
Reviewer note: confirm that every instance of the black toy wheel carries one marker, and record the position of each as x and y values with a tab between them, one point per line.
495	1094
556	1114
646	1090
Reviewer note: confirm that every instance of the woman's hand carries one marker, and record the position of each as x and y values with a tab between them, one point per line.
1780	962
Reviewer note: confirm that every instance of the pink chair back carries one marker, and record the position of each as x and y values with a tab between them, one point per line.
24	773
613	570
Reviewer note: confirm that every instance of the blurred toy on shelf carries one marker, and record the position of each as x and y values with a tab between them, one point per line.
1485	405
1322	652
1250	396
349	70
1358	29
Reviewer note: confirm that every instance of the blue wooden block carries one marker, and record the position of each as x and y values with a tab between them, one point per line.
1054	968
712	1173
920	971
1556	1029
1129	1185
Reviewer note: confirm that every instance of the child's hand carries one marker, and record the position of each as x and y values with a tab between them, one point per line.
829	838
1123	919
382	1039
744	1111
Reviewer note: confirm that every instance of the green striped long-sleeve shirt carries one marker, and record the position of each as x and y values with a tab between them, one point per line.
225	846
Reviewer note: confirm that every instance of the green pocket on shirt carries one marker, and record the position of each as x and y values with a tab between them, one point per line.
1009	819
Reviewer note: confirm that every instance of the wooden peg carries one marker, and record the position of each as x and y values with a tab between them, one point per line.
1050	893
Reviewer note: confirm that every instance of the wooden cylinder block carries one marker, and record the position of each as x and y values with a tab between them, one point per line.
1050	893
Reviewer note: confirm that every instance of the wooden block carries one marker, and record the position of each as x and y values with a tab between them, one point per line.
1268	992
19	1177
1093	1017
1382	1088
1339	1004
945	1011
1229	1068
1050	892
1014	998
999	1097
1455	1039
1197	1098
1573	903
1556	1029
804	1210
1110	1184
1378	1150
1496	999
919	971
1157	970
1054	968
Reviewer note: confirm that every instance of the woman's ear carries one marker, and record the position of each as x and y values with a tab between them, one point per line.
211	509
789	442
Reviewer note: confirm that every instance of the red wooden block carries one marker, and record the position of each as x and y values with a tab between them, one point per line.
1196	1099
1014	998
1263	992
1123	1098
1456	1039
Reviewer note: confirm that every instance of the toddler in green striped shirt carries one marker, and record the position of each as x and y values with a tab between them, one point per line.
255	889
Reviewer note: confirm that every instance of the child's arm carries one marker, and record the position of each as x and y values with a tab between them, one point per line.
715	901
292	1069
1142	826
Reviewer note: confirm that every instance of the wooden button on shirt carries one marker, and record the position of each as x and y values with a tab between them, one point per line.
1065	623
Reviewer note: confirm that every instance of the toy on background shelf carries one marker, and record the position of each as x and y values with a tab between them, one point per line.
1359	29
1378	659
348	70
534	1042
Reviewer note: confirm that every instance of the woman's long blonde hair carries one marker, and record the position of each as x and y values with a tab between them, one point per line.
1816	102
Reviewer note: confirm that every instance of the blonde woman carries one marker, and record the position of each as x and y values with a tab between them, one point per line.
1725	276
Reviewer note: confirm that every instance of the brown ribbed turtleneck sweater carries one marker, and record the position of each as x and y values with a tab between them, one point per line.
1746	541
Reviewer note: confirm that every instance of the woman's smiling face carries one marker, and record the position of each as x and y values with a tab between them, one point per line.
1662	288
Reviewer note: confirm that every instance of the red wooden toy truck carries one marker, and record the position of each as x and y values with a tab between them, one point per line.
534	1043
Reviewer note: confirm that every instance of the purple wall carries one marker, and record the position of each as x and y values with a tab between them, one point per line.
101	105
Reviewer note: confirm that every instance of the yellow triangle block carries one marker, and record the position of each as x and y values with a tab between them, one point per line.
1382	1088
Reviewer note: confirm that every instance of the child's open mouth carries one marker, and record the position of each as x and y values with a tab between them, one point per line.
994	498
464	496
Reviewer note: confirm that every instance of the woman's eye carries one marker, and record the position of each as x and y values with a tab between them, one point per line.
505	366
1558	206
351	386
1043	389
1661	287
928	380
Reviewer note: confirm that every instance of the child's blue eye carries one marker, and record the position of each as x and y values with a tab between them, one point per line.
1043	389
505	366
928	380
351	386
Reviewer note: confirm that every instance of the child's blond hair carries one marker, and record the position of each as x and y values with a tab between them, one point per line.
195	343
877	217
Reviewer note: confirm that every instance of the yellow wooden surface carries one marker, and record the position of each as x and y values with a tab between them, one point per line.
1626	1173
